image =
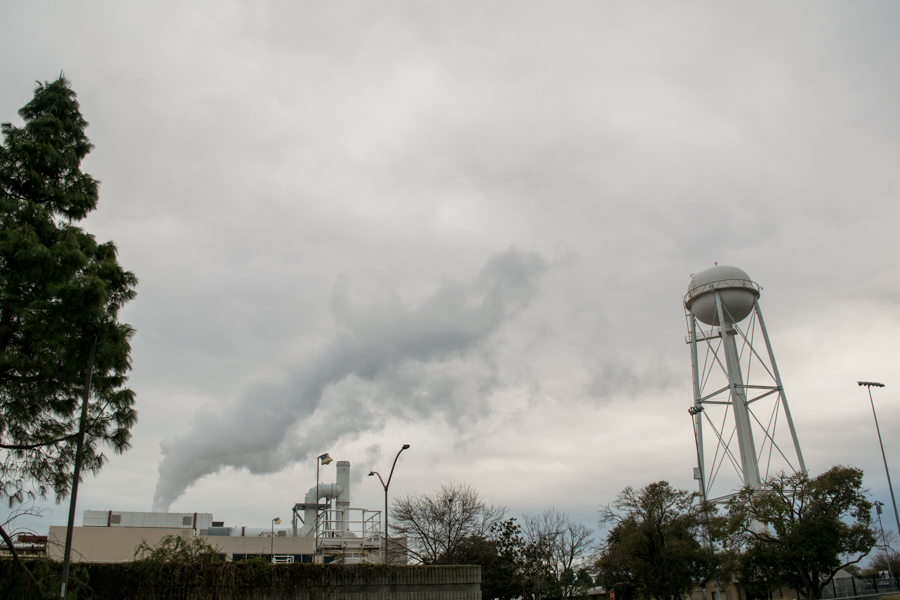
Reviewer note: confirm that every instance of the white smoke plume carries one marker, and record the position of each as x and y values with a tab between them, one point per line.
388	341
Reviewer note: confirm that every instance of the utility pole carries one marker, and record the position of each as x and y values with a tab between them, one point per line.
92	331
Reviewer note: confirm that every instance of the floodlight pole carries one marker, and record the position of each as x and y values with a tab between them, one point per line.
91	330
869	385
386	486
324	459
887	555
275	521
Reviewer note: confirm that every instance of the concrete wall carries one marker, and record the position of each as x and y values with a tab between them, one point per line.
107	544
413	583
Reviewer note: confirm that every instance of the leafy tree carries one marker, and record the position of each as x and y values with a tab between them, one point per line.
436	526
506	575
796	530
55	277
506	561
652	548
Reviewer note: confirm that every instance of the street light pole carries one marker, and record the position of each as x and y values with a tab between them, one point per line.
385	486
869	385
324	459
91	330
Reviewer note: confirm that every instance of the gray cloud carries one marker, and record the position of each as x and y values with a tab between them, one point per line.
249	153
373	340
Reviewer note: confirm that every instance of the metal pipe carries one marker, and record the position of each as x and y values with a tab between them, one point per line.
91	330
329	491
887	555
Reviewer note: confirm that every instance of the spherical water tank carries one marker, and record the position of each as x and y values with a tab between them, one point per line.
737	291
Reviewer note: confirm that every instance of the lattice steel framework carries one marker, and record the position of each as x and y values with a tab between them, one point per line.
738	395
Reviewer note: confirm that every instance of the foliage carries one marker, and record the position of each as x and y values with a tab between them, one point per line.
652	548
54	277
43	575
796	530
437	525
500	556
498	574
176	549
505	579
514	567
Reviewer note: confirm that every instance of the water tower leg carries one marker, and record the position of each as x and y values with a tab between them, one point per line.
698	417
787	411
749	464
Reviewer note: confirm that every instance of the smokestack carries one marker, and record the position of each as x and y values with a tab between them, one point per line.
343	500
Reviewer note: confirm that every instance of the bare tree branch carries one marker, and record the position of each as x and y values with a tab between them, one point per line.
435	525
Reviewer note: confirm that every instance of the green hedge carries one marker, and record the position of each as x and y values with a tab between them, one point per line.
147	580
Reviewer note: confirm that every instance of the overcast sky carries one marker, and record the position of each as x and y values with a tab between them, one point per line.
469	226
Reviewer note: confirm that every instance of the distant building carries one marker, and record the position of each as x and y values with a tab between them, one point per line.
329	531
26	545
114	536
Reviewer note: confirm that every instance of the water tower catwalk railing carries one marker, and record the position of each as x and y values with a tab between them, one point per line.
738	393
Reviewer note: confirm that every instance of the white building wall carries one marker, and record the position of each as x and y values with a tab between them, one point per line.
107	544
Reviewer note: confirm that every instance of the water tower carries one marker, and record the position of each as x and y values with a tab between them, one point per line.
738	396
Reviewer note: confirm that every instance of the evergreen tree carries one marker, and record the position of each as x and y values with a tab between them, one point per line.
54	278
653	548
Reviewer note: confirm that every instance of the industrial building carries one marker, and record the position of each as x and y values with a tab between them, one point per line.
324	528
